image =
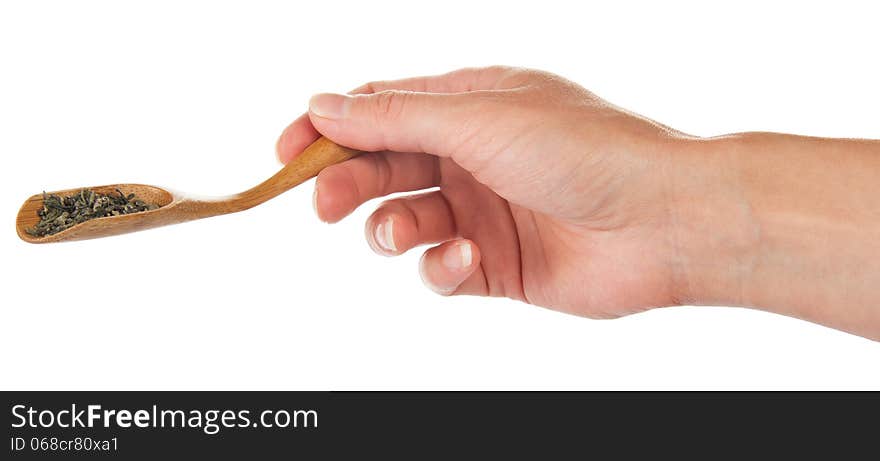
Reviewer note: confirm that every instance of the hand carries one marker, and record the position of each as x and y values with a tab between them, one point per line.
547	194
550	195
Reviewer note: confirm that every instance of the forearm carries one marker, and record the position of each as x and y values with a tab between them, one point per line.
783	223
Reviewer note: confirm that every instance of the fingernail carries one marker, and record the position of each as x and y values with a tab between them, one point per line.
384	235
280	144
315	201
458	256
423	272
328	105
278	149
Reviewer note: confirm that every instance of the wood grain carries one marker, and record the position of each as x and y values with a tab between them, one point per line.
176	207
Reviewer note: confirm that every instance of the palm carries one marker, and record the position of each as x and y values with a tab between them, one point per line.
550	261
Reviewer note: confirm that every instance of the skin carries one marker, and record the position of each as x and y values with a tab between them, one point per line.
549	195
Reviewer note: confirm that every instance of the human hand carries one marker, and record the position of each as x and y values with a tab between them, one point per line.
550	195
547	194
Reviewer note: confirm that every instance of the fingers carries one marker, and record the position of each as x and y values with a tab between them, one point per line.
404	223
299	134
401	121
343	187
295	138
453	268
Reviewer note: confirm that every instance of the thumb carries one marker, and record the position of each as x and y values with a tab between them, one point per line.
402	121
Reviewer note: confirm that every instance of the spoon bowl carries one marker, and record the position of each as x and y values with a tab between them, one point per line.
99	227
175	207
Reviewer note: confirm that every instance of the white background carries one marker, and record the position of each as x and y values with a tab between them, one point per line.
192	96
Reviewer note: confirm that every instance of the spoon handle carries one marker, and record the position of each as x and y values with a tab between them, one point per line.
319	155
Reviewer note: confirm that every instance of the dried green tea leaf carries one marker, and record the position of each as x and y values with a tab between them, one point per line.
60	213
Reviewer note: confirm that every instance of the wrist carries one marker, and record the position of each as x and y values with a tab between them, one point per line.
783	223
715	231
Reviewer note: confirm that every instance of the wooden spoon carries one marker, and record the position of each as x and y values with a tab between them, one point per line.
178	208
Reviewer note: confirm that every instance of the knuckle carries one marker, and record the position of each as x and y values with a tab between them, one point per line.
491	77
466	72
511	77
382	172
389	105
372	87
366	88
499	70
